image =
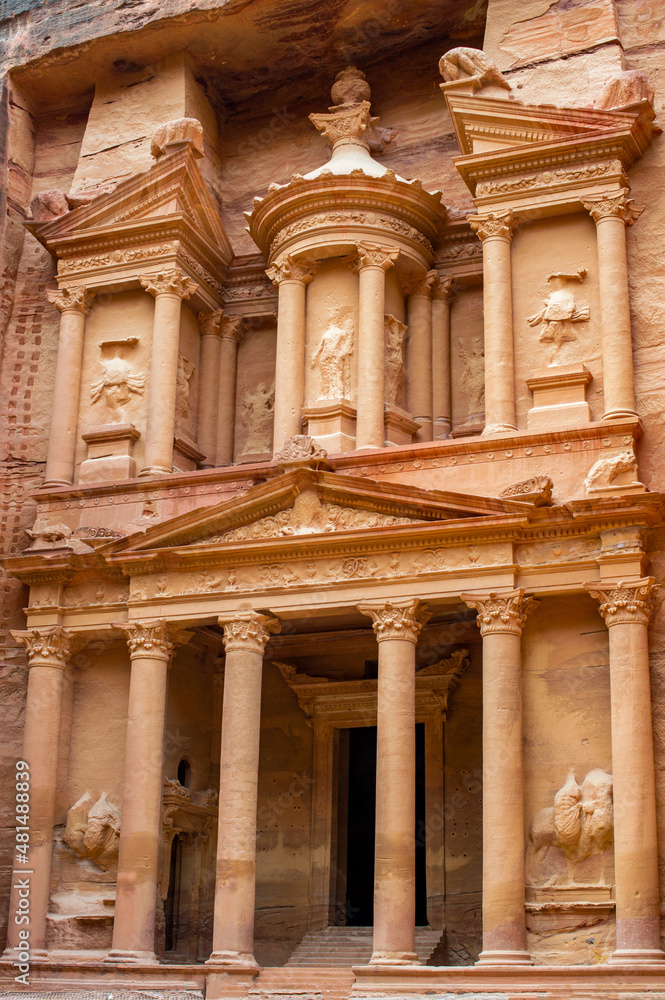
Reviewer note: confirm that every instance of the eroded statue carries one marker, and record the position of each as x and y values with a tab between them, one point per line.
560	310
256	416
333	360
394	363
93	830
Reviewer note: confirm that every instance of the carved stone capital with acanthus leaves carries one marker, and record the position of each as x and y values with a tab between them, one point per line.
444	289
154	639
71	297
498	226
376	255
501	611
46	647
248	630
290	269
210	323
396	619
419	284
613	207
169	283
348	123
625	603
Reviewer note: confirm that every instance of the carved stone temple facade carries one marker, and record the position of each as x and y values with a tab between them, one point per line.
333	512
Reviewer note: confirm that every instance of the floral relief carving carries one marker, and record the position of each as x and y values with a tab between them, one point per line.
117	257
494	225
248	631
169	283
608	206
547	178
48	647
538	553
290	269
118	383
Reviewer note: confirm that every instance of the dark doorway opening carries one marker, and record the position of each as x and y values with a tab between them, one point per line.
357	816
172	902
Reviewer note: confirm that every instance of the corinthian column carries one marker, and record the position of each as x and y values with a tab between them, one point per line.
396	626
150	650
290	277
419	352
612	215
73	303
47	650
626	608
245	638
232	330
501	617
443	293
373	262
208	403
496	233
169	289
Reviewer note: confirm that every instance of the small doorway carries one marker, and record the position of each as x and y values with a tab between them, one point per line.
356	827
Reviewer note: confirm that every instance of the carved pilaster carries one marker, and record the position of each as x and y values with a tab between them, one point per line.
396	619
625	603
503	611
613	206
45	647
248	630
494	225
75	297
290	269
376	255
169	283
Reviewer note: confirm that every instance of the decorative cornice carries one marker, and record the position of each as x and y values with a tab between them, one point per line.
289	269
501	611
45	647
501	225
169	283
613	206
248	630
71	298
376	255
625	603
396	619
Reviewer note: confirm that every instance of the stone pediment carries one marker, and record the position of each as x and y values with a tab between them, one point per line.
312	503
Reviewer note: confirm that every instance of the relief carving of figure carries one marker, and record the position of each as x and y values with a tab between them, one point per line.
333	360
93	830
117	383
560	310
256	416
394	363
473	374
579	824
183	379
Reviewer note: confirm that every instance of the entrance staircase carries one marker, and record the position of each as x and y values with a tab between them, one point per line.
343	947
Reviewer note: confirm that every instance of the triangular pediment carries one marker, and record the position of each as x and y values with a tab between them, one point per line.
308	503
173	188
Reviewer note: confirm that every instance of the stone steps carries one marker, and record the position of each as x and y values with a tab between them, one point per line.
344	947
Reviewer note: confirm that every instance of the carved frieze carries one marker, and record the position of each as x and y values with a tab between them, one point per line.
547	178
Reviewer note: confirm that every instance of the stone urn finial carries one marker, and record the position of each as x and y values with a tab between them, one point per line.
350	87
176	135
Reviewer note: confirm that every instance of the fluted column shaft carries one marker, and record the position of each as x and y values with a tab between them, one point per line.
209	384
47	650
612	215
626	608
396	626
419	353
73	304
373	262
245	638
232	329
290	277
169	288
496	233
442	296
141	825
500	618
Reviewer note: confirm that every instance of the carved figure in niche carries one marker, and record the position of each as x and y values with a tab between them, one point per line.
394	364
183	379
560	310
93	830
579	824
118	383
256	416
463	63
333	360
473	374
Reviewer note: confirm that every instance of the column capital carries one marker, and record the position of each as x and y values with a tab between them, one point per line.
396	619
169	283
444	289
46	647
290	269
210	323
71	297
248	630
419	284
624	603
501	611
156	639
232	328
612	206
501	225
376	255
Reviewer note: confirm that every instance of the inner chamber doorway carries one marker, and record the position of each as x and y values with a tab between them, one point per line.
356	827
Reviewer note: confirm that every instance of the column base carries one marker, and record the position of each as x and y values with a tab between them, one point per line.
55	482
155	470
504	958
234	961
12	954
498	429
394	958
636	956
118	956
621	415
